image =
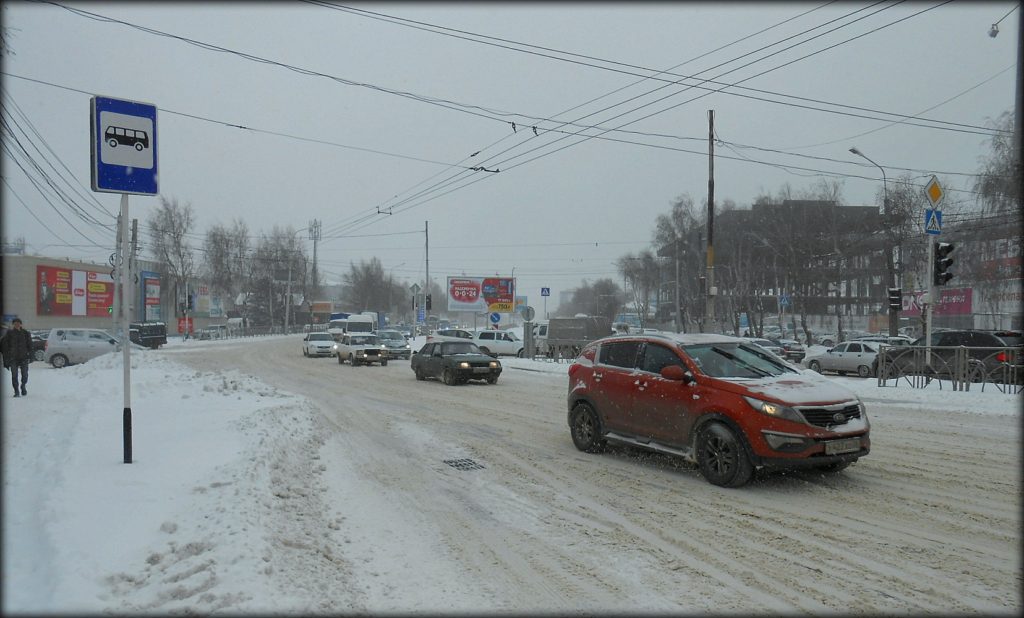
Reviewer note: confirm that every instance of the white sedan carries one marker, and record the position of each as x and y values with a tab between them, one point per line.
318	344
850	357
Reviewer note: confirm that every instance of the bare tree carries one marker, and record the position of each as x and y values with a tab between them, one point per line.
999	182
642	272
225	249
169	227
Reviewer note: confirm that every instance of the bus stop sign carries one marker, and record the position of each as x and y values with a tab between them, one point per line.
124	143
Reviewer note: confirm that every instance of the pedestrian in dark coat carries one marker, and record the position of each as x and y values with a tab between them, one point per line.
17	352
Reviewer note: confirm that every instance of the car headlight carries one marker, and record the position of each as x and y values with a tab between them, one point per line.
495	364
463	365
334	347
775	409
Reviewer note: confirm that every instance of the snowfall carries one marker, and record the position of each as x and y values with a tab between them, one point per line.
83	530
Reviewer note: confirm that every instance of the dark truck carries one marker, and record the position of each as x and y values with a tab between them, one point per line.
567	336
149	334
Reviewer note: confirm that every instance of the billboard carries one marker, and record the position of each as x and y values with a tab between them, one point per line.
67	292
480	294
952	301
150	282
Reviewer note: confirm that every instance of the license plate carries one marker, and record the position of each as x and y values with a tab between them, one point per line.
481	370
848	445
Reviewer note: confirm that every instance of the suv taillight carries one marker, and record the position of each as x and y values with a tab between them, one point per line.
1002	357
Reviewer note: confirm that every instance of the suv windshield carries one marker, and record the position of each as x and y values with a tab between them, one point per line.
734	360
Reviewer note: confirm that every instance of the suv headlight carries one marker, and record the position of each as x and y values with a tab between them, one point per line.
776	409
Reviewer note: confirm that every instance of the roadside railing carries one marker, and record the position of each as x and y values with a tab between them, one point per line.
998	368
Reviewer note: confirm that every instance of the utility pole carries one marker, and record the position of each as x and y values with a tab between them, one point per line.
116	275
133	273
288	296
678	310
710	320
314	235
426	284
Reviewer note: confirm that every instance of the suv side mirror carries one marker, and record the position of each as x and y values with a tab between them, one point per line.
677	373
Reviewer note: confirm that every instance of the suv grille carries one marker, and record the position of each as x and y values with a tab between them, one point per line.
823	417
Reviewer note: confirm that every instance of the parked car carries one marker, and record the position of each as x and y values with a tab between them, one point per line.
769	345
450	334
215	331
455	362
988	357
67	346
396	343
318	344
887	339
715	400
792	349
860	357
149	334
361	349
39	344
499	342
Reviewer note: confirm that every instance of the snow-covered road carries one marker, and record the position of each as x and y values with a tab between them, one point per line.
363	513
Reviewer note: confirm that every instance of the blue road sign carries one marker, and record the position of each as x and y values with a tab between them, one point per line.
932	221
784	300
495	317
545	291
123	151
421	315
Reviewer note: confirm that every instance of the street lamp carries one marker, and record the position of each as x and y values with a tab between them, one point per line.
890	266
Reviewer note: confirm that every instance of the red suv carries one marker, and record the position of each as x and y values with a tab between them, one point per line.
720	402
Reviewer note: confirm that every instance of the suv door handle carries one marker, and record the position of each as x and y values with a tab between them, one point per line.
598	376
640	384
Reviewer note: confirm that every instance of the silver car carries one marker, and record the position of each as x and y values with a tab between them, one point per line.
67	346
858	357
396	343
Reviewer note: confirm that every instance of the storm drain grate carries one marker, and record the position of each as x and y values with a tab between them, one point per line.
463	464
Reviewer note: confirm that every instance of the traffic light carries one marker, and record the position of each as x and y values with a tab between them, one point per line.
943	262
428	302
895	299
110	309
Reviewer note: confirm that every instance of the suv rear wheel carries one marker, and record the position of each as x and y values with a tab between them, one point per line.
58	360
722	457
586	429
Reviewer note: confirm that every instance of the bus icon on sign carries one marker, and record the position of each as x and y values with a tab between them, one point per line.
128	137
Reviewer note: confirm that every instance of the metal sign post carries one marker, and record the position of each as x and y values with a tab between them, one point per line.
932	226
123	157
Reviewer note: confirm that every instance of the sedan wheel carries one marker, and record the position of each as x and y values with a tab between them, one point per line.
722	458
449	377
40	355
351	360
58	360
814	366
864	371
419	374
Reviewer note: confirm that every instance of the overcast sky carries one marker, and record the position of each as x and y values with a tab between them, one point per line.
403	95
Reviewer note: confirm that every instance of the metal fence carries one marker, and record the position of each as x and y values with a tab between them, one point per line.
963	367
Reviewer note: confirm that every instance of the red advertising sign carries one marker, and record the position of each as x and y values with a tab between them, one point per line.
481	294
952	301
185	323
65	292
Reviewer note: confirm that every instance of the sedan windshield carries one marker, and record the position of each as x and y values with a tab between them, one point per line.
391	335
459	348
365	340
735	360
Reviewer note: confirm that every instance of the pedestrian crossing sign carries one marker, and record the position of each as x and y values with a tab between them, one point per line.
932	221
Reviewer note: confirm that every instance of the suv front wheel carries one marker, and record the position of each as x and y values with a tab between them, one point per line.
722	458
586	429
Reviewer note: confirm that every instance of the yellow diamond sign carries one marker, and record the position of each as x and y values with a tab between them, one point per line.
933	190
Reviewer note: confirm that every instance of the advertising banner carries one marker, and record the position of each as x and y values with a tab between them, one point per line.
150	282
952	301
481	294
66	292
